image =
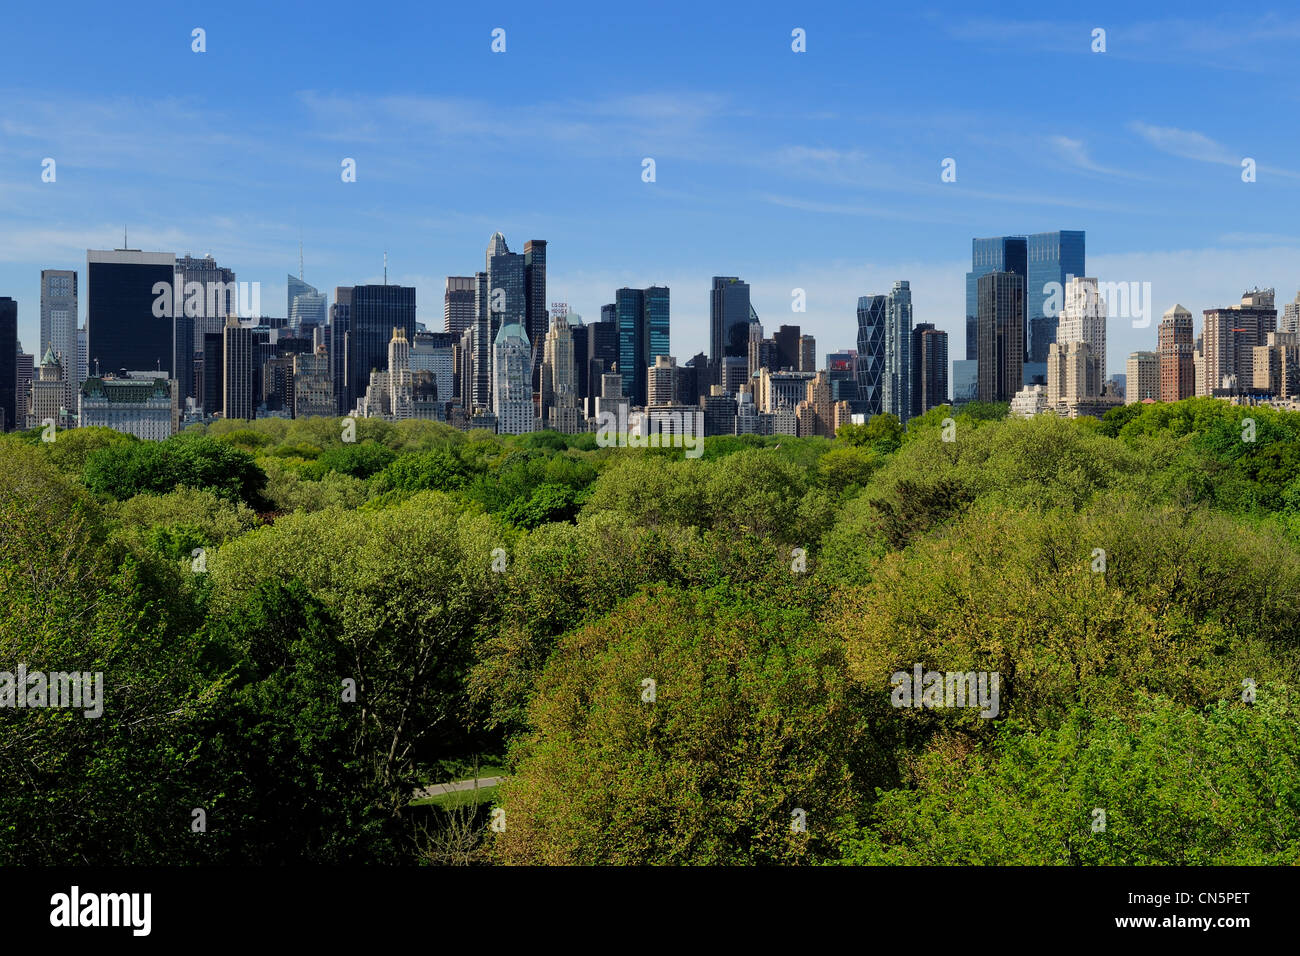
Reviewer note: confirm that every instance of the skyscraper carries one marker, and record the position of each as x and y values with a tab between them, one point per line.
59	325
896	380
46	399
8	363
313	390
929	368
536	320
375	311
512	390
1052	257
129	302
807	354
559	381
1290	321
729	317
211	290
1001	335
1083	318
1040	259
873	315
661	386
787	348
458	305
1177	371
237	373
657	322
602	353
214	373
629	310
1000	254
340	332
1230	336
307	305
1143	377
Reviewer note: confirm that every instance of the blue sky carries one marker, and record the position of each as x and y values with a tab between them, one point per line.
816	170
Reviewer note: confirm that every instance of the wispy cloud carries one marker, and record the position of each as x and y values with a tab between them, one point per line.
1075	152
1191	144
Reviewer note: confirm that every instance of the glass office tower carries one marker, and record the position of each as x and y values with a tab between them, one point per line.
873	313
999	254
1053	257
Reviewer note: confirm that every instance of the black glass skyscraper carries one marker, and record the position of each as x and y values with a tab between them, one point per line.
602	350
1001	297
1000	254
127	326
376	311
536	317
1042	260
340	332
8	363
729	318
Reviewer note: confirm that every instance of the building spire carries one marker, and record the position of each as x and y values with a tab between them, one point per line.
385	267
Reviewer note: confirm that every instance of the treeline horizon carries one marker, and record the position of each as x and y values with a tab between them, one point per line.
297	633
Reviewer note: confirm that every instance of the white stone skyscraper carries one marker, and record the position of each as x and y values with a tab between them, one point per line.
559	376
512	380
1083	318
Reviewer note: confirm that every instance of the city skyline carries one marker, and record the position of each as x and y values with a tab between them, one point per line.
801	184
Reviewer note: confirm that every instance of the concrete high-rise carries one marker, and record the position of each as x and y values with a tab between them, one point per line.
1229	338
807	354
313	389
210	291
661	382
1290	321
237	370
929	368
559	382
1177	364
1143	378
1001	336
458	305
1083	318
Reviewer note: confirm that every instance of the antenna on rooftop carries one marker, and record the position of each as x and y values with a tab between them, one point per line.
385	267
300	273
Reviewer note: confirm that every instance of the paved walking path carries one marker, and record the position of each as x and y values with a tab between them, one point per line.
456	786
